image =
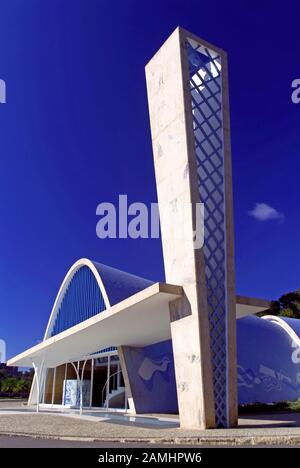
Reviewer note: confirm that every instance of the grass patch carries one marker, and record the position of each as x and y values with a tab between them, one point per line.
286	406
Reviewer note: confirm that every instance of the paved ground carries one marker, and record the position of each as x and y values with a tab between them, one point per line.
276	429
30	442
12	403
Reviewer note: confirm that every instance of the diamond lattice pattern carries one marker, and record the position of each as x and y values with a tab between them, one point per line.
206	95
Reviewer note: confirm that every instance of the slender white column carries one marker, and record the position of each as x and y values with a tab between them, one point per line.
38	369
92	382
53	386
64	386
108	382
81	386
44	386
118	375
76	368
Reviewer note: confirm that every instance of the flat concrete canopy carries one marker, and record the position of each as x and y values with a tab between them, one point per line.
250	306
140	320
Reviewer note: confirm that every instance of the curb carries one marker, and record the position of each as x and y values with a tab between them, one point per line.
220	441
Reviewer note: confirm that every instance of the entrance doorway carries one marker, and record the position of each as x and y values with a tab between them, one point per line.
103	383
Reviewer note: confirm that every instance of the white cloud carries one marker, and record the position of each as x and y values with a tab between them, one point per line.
264	212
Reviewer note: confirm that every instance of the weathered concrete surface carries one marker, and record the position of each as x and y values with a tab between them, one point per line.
271	429
176	180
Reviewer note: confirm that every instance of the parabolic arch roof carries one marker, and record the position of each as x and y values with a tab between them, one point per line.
89	288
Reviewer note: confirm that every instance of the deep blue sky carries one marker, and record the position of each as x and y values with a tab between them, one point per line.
75	132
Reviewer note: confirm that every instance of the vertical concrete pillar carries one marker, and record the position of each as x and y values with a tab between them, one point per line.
188	106
127	382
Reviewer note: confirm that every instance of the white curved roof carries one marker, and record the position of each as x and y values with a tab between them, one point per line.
115	286
290	325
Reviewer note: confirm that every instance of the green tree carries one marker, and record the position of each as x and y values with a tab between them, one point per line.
21	386
15	385
8	384
288	305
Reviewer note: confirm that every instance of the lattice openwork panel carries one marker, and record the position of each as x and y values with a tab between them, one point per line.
206	95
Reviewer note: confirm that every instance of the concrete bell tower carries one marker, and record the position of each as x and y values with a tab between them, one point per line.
187	88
